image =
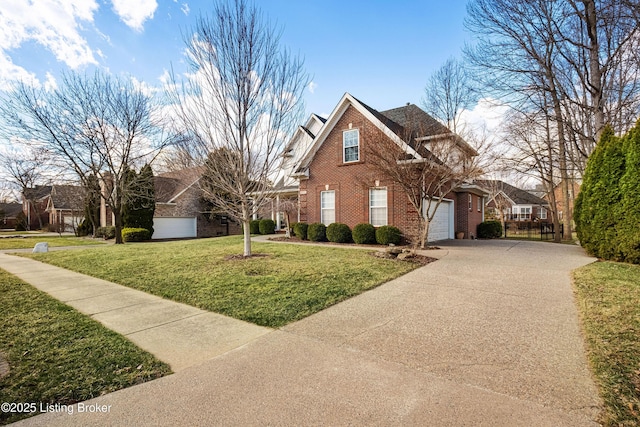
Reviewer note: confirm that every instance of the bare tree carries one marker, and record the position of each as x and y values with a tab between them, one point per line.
97	125
448	93
243	99
25	170
427	173
573	61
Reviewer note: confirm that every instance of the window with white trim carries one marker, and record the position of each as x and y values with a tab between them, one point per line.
470	202
328	207
351	145
479	204
378	206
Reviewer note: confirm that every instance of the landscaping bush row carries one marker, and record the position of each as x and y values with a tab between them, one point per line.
262	226
362	234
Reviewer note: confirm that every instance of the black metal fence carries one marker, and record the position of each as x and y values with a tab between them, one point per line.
530	230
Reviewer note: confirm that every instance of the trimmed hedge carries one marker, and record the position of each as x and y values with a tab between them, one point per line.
317	232
606	210
135	234
364	234
339	233
267	226
254	226
300	230
489	230
388	234
106	232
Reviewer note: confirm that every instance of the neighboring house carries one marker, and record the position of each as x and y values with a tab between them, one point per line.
60	207
181	211
335	184
34	204
65	206
574	190
8	215
514	203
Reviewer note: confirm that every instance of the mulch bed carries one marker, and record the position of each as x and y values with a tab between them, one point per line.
415	258
239	257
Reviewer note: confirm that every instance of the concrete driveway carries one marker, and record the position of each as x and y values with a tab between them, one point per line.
488	335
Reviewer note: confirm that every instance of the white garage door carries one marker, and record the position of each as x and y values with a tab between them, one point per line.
441	227
174	228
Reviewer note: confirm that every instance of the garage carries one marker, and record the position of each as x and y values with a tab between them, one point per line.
174	227
441	227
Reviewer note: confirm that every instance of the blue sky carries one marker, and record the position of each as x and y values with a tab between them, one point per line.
380	51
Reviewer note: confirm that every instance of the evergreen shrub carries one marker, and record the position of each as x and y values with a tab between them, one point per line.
135	234
388	234
364	234
267	226
300	230
317	232
489	230
339	233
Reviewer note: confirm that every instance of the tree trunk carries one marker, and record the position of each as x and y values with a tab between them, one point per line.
246	227
595	80
118	224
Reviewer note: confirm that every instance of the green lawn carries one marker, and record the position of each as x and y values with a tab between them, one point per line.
57	355
54	241
609	302
289	283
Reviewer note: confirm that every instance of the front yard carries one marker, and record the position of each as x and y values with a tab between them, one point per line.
56	355
285	283
609	303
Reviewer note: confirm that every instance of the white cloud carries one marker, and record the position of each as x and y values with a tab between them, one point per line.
53	24
50	83
487	113
135	12
312	87
185	9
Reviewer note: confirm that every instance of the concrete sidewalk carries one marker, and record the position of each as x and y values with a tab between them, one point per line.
486	336
175	333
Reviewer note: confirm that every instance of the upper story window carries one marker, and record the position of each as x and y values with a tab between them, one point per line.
479	204
351	145
470	202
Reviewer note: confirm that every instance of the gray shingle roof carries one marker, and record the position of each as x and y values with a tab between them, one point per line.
519	196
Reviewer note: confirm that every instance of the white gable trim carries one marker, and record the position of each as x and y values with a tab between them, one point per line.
346	101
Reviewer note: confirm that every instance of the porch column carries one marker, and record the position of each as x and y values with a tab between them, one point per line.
277	212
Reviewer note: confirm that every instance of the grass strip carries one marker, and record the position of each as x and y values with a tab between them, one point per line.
609	302
54	241
57	355
287	283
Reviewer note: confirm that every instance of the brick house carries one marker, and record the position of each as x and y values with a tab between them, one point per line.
516	204
9	215
182	213
335	184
